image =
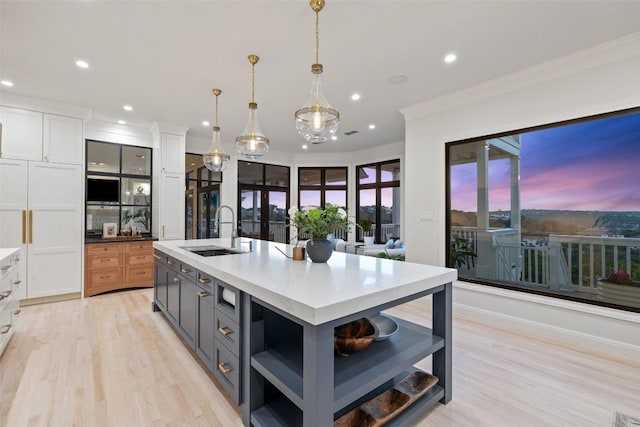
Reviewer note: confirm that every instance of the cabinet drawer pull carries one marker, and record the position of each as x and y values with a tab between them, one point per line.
139	273
108	276
225	331
176	280
105	260
201	280
17	282
7	328
7	294
157	256
17	312
185	270
5	267
221	366
141	256
203	294
169	262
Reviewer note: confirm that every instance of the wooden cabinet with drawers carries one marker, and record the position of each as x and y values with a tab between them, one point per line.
118	265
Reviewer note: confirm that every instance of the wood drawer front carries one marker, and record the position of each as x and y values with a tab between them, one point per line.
104	276
226	368
137	258
103	261
139	274
139	247
227	332
104	249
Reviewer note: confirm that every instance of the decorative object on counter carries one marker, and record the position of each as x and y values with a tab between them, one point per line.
109	230
353	337
318	224
317	121
252	144
213	159
298	253
389	404
126	231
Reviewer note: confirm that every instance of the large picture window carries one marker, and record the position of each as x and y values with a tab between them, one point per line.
552	210
319	186
378	199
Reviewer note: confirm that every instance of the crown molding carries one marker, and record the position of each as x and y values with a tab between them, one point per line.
15	100
596	56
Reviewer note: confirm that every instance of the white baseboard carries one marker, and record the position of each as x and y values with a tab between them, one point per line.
593	328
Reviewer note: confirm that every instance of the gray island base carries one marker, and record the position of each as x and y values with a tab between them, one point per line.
285	371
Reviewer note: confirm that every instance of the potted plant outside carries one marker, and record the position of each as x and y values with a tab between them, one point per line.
367	235
619	288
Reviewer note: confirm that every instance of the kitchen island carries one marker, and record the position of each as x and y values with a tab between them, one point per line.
274	310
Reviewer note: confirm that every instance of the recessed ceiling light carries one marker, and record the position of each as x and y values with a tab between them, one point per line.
334	138
372	126
398	80
451	57
355	97
205	123
122	122
127	107
6	83
305	146
82	63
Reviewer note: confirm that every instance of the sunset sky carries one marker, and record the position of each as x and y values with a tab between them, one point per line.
586	166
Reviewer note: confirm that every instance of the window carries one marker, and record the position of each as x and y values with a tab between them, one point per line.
319	186
263	201
118	187
378	199
551	210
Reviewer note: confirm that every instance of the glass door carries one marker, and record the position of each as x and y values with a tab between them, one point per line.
277	226
208	203
250	213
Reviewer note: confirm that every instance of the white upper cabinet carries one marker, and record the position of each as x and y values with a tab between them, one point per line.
30	135
21	134
62	141
172	152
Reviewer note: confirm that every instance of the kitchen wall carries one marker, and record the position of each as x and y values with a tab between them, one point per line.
601	79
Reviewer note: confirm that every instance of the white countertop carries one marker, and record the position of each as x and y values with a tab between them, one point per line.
313	292
7	252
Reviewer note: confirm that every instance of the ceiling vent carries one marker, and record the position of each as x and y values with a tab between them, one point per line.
351	132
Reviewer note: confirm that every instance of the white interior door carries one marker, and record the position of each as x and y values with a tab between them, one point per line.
55	248
13	212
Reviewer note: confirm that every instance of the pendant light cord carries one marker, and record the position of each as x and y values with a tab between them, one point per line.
317	38
253	82
216	110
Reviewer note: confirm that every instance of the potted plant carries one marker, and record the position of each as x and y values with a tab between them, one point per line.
365	226
619	288
318	223
460	252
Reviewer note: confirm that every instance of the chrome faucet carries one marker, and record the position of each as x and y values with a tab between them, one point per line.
234	228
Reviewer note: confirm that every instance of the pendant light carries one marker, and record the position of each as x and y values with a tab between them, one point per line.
213	159
252	144
317	121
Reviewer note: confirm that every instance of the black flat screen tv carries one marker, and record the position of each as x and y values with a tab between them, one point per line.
103	190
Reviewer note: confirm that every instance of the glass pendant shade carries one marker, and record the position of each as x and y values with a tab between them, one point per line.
252	144
317	121
213	159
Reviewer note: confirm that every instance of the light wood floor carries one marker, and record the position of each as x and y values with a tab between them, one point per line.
109	361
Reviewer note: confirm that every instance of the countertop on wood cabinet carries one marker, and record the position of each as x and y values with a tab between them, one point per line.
313	292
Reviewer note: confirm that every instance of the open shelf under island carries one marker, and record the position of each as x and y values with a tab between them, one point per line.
268	311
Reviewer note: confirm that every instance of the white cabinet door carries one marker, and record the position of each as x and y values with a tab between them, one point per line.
62	139
172	206
55	248
21	134
172	153
13	212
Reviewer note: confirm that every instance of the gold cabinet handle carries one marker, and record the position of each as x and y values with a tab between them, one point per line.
163	231
176	280
30	226
24	226
202	294
157	256
17	312
225	331
185	270
201	280
7	294
5	268
221	366
108	276
17	282
169	262
7	328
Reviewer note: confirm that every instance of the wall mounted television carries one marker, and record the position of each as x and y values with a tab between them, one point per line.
103	190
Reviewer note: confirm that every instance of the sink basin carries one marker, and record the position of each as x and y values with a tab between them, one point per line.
208	251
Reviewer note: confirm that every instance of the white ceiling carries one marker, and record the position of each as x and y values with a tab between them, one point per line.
164	57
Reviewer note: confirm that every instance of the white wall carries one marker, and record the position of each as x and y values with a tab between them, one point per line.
602	79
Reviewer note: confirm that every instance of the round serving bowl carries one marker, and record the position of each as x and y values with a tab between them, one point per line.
383	326
353	337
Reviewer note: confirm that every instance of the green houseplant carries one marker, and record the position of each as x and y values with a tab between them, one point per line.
318	223
365	226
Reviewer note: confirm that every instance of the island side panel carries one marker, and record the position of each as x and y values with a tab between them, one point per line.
318	375
442	326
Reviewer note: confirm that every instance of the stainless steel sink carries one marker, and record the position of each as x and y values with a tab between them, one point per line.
208	251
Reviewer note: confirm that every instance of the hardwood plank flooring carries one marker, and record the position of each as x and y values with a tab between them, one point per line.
109	361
